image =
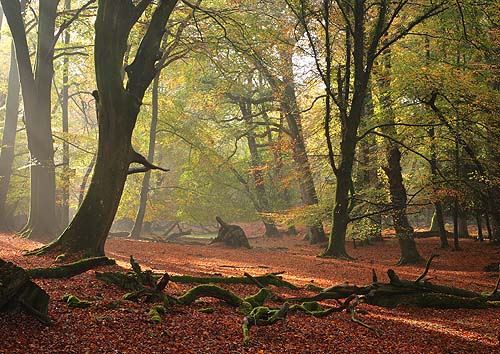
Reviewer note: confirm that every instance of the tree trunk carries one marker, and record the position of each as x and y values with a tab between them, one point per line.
66	181
261	199
36	89
479	224
437	223
9	137
367	179
85	179
404	231
141	212
398	195
463	230
290	109
118	108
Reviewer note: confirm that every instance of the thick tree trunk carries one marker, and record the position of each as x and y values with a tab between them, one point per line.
141	212
9	137
118	108
340	217
36	89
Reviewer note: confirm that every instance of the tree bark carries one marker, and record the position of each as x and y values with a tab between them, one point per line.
398	195
437	218
141	212
36	89
9	137
66	181
289	107
118	108
261	199
404	231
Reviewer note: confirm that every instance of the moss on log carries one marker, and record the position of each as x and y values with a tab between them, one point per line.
18	291
265	280
314	309
263	316
124	280
69	270
156	313
75	302
210	290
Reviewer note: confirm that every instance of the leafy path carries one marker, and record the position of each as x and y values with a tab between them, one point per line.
112	325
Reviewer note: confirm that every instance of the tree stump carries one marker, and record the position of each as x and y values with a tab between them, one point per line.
231	235
17	291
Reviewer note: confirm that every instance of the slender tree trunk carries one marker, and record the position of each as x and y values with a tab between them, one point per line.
456	205
260	189
463	230
488	226
479	224
85	179
404	231
367	177
9	137
398	195
65	128
261	201
141	212
290	109
437	218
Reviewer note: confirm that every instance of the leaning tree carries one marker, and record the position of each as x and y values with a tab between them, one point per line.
118	105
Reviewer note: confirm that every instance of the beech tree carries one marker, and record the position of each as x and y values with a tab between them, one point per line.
9	137
368	29
118	106
36	89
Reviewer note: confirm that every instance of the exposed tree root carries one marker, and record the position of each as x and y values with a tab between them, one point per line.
18	291
69	270
419	293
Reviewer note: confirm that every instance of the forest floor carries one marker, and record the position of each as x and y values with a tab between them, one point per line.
112	325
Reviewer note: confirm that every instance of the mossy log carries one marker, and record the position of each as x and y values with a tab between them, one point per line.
409	293
263	316
210	290
18	291
265	280
69	270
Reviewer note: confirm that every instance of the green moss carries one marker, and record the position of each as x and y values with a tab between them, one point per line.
61	258
209	290
313	308
206	310
245	308
73	301
259	298
156	313
313	287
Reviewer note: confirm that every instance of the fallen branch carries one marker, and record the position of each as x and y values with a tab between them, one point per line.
427	266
